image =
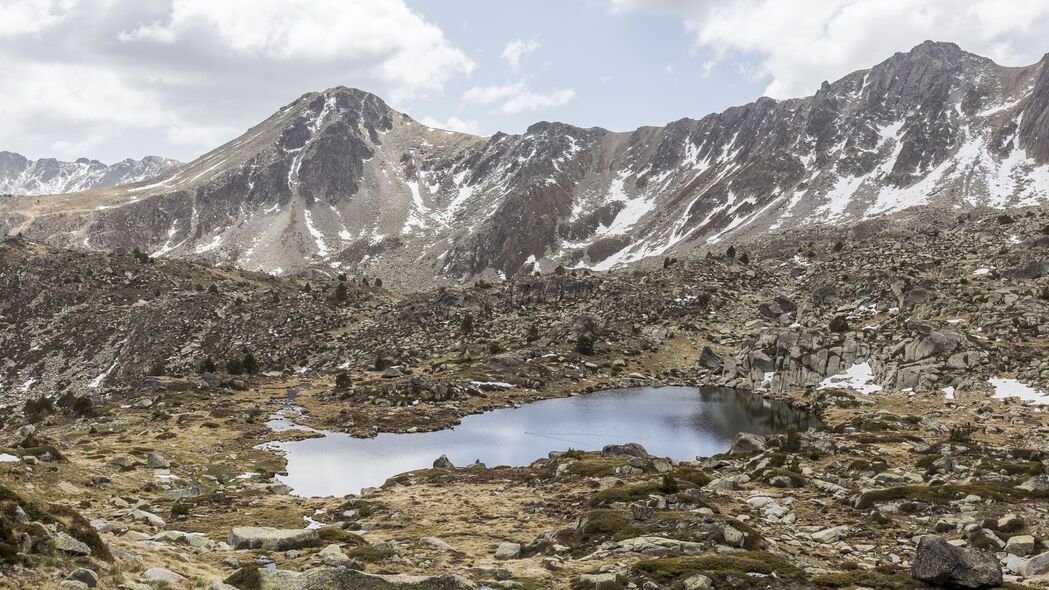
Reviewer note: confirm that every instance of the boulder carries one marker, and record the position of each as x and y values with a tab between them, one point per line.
698	582
67	544
159	574
628	450
271	538
443	462
84	576
940	563
1020	545
507	551
1036	566
748	444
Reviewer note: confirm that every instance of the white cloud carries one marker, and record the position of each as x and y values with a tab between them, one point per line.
511	99
22	17
384	36
800	43
515	50
453	123
184	75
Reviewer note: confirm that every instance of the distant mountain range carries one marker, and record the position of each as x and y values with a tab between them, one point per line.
338	181
22	176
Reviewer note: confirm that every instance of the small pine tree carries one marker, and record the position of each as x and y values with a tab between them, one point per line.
157	369
744	258
533	333
669	484
342	277
839	324
731	252
307	288
206	366
340	292
235	366
791	441
839	246
251	366
467	324
584	344
377	282
343	381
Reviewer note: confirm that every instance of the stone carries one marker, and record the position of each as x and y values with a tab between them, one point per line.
333	556
507	551
67	544
148	518
831	535
436	543
442	462
72	585
746	443
1035	566
940	563
272	538
84	576
1021	545
698	582
157	461
159	574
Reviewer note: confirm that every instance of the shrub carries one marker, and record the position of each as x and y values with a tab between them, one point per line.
340	292
744	258
235	366
731	252
1004	219
839	246
467	324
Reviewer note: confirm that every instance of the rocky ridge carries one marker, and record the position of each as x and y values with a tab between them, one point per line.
48	176
337	181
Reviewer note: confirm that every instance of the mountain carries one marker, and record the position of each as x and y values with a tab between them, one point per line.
22	176
339	181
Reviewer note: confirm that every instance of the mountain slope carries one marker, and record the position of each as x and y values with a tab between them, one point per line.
46	176
339	181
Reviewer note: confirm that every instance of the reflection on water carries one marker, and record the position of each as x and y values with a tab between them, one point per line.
676	422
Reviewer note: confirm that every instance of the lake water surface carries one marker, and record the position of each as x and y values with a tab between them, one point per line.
675	422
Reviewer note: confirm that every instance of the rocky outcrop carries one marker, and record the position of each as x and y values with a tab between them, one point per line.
343	578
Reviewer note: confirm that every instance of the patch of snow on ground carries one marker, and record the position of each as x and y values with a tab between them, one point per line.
948	392
859	377
318	237
213	244
8	458
1004	388
97	381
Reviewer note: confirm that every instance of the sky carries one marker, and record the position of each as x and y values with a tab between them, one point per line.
112	79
